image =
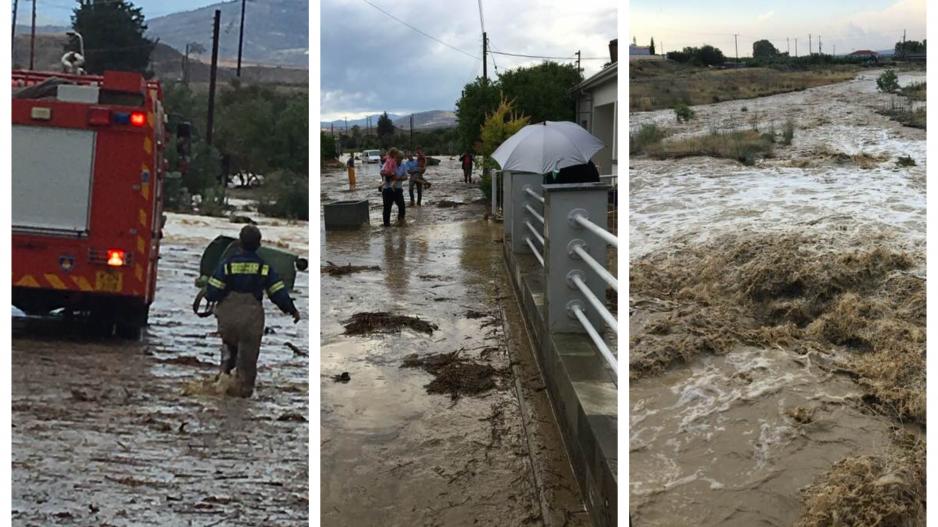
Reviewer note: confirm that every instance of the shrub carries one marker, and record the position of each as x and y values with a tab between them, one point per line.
648	134
744	146
285	195
905	161
683	112
788	133
888	82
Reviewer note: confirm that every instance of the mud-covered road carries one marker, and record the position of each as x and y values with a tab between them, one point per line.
393	454
103	435
761	298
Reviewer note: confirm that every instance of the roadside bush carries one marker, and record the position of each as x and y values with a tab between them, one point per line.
888	82
648	134
683	112
285	195
788	133
905	161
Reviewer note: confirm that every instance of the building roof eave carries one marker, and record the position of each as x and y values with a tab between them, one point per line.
599	77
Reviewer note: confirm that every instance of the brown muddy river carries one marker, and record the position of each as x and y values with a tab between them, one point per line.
392	453
103	435
733	439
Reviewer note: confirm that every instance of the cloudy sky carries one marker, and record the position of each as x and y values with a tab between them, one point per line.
847	25
371	63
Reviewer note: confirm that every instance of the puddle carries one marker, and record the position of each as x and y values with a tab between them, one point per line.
391	453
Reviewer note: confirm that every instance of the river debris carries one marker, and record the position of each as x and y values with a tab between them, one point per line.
448	204
343	377
886	490
454	375
473	314
296	349
383	322
341	270
786	290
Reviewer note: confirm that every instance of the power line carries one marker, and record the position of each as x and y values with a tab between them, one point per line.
431	37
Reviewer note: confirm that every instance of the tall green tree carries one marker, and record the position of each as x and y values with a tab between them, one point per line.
763	49
543	92
651	47
478	99
385	130
113	33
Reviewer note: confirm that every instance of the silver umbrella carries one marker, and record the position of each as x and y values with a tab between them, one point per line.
548	146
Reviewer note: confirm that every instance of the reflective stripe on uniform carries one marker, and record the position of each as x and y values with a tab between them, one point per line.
276	287
244	267
214	282
265	270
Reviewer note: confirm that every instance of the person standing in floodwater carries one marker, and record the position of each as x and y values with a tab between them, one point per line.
392	186
414	176
351	171
238	285
466	160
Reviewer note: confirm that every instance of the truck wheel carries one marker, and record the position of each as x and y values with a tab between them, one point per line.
129	331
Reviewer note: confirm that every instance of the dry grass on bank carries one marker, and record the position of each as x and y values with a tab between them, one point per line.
655	85
745	146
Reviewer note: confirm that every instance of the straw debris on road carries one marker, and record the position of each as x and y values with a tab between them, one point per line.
383	322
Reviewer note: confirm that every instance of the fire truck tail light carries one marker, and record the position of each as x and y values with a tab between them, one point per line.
99	117
138	118
115	257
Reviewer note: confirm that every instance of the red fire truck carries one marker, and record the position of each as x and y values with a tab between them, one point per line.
87	196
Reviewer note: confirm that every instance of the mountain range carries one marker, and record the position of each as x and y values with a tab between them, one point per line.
428	120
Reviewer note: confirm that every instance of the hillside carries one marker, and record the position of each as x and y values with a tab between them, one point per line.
428	120
276	32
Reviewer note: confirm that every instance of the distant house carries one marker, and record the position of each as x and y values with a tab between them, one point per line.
597	110
864	54
639	50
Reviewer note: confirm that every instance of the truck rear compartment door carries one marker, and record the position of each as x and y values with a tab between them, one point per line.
52	177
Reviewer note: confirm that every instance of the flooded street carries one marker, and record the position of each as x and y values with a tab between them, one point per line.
103	435
393	453
773	308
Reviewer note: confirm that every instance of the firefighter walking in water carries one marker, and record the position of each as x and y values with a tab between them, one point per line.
238	285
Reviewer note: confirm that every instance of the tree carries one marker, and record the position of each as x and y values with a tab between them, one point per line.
327	147
385	130
763	49
704	56
113	32
651	47
909	46
477	99
498	126
888	82
543	92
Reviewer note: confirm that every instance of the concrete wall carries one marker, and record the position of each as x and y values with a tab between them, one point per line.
604	128
581	391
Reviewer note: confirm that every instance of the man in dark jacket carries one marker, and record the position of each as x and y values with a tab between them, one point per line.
238	285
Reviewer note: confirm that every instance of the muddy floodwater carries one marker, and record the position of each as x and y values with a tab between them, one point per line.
406	446
733	436
103	435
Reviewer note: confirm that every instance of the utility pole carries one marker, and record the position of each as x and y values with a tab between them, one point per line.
185	67
578	61
736	44
787	46
32	41
241	38
411	131
14	22
809	45
209	128
819	44
796	47
346	125
485	63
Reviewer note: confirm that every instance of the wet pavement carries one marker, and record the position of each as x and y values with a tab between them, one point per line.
103	435
392	453
720	440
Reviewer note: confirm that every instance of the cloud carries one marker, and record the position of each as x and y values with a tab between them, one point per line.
372	63
765	16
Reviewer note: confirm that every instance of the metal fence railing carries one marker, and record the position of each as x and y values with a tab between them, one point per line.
565	227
